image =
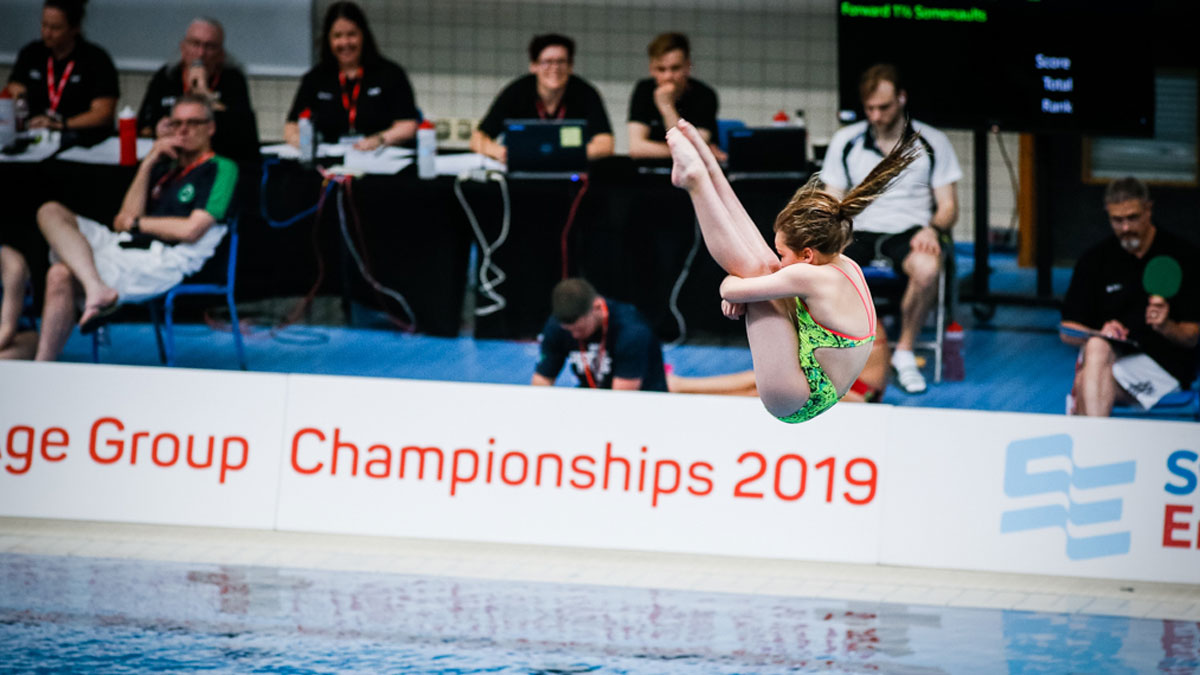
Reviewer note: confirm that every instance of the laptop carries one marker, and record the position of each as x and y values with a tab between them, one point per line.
546	148
768	152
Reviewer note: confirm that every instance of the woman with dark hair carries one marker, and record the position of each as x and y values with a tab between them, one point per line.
810	320
68	82
354	91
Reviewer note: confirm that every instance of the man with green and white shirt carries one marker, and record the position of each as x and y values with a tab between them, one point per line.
168	226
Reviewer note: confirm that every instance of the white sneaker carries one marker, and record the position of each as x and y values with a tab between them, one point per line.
908	376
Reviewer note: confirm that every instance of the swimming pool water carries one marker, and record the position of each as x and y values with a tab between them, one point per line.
69	614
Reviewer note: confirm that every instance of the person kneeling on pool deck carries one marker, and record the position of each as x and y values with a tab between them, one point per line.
166	229
608	343
810	326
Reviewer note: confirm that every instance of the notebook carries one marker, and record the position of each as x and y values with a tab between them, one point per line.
768	152
546	148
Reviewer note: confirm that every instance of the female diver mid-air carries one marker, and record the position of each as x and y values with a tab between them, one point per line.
809	325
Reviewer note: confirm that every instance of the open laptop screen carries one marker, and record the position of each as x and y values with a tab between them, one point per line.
555	147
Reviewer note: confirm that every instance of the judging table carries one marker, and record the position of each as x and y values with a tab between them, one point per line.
633	236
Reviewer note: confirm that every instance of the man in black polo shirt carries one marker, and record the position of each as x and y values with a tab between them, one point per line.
68	82
669	94
550	91
168	226
202	70
1107	306
608	343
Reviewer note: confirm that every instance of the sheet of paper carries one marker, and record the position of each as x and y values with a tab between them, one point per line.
107	151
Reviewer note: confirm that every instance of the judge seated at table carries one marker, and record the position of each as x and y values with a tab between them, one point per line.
202	69
354	91
69	83
550	91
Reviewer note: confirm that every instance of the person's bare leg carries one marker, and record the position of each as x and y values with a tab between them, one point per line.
61	230
727	247
58	312
920	294
14	275
22	347
1095	388
731	384
741	220
782	387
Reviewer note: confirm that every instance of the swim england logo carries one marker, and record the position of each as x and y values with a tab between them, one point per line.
1057	485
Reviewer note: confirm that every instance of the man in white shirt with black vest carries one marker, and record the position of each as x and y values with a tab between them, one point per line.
904	227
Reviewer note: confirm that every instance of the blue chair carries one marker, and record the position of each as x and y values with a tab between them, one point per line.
723	129
162	308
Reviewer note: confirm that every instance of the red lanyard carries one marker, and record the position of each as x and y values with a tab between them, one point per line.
558	115
350	101
54	94
587	370
178	174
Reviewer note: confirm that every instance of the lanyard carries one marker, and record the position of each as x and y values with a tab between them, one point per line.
561	113
178	174
350	101
55	95
587	369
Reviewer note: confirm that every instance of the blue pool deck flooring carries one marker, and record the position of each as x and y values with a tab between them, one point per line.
1014	362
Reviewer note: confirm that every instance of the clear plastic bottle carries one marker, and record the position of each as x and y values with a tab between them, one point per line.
21	112
308	145
427	150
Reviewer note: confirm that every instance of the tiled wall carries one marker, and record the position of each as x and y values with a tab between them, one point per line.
760	55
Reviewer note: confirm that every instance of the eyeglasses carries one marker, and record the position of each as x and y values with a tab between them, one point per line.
550	63
190	123
206	46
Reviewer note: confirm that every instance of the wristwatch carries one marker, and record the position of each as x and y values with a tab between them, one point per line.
136	227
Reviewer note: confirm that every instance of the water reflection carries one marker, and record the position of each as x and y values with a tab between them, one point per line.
60	613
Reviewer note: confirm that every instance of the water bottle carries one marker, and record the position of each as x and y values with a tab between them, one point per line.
426	150
308	146
780	119
21	112
798	120
953	369
8	122
127	133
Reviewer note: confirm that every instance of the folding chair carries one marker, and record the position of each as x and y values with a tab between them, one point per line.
893	289
162	308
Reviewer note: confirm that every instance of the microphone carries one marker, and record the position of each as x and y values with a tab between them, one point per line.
196	63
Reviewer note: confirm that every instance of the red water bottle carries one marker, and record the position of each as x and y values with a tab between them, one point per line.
127	132
953	367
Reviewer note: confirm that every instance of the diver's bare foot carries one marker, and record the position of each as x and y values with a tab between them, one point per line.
702	147
96	304
688	168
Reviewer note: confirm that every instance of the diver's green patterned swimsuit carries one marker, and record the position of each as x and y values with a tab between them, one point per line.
812	336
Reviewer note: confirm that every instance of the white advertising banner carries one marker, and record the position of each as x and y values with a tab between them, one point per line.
150	445
1043	494
1039	494
579	468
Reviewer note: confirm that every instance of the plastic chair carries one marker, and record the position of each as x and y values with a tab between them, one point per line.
723	129
937	344
162	308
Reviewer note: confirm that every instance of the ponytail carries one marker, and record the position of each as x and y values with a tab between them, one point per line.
814	218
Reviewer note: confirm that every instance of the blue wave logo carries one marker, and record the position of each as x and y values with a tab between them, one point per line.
1019	482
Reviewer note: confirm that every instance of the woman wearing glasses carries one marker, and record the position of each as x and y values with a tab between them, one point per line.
354	91
549	91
